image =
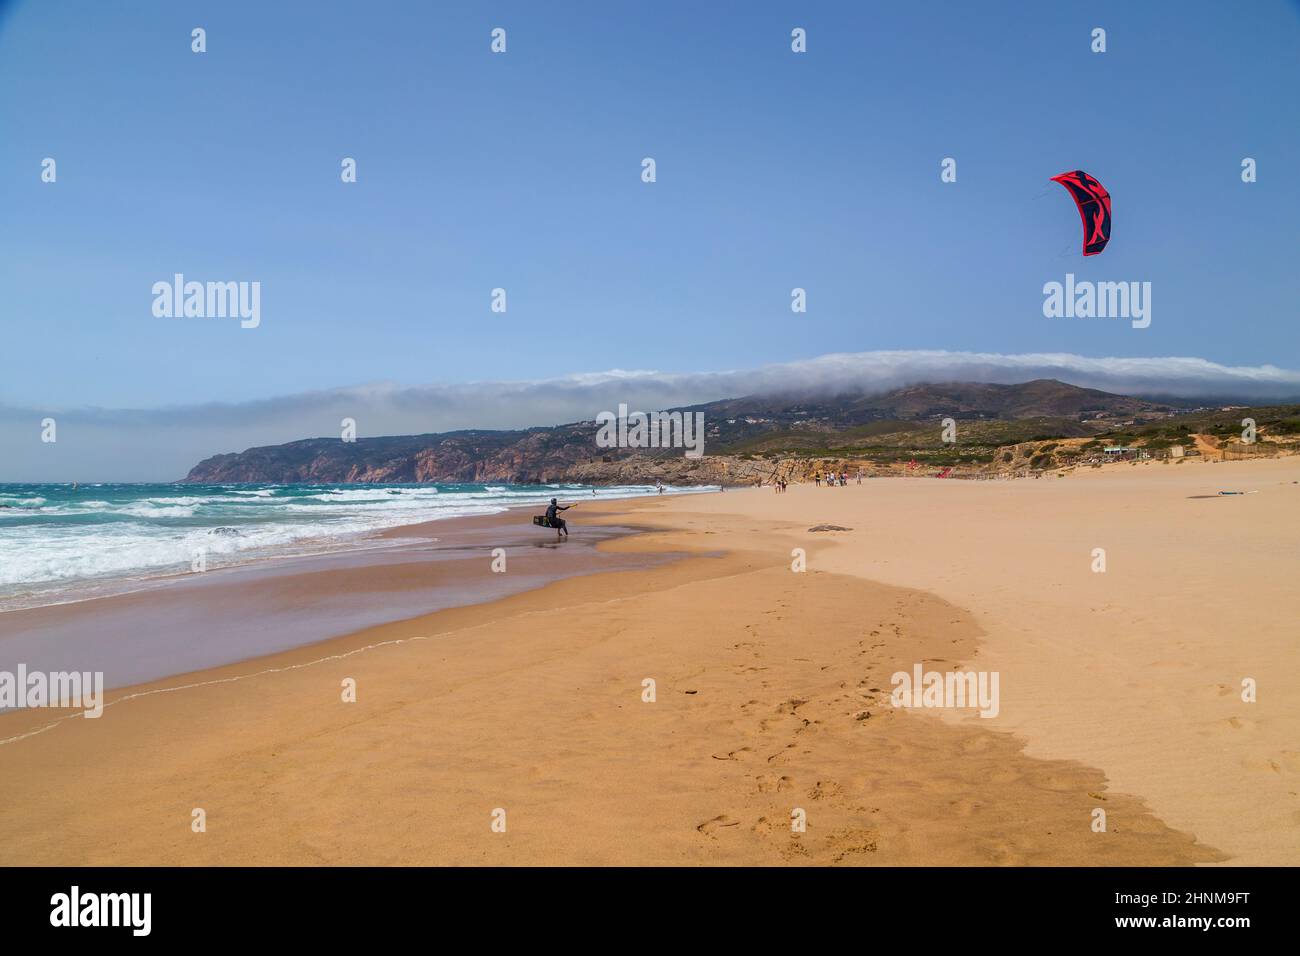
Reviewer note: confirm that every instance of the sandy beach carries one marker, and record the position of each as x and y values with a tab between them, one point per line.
1119	691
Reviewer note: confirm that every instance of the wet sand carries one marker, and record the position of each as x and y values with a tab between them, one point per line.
195	621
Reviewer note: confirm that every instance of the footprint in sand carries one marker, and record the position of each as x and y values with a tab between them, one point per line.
781	753
771	783
965	807
825	789
978	744
722	821
732	754
1262	764
794	850
851	842
1000	854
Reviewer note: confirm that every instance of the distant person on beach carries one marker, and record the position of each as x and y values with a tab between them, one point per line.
555	521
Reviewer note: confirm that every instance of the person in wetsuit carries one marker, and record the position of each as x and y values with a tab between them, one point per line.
555	521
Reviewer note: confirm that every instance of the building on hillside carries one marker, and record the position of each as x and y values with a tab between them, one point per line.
1124	453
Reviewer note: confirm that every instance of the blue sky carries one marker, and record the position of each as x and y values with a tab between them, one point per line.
522	171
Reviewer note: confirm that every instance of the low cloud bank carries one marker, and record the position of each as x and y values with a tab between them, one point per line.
162	444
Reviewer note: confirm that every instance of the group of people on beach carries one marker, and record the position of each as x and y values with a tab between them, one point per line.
831	478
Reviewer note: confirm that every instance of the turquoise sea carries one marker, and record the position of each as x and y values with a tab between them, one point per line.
60	543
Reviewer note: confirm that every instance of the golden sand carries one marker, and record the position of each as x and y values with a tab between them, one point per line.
1120	691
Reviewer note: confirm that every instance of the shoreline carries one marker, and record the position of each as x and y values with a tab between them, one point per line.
51	592
772	693
297	600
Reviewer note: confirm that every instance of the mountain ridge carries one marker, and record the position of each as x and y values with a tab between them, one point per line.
756	425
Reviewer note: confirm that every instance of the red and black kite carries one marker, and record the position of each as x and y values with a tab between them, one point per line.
1094	208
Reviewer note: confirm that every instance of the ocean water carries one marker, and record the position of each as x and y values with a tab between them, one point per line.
59	544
